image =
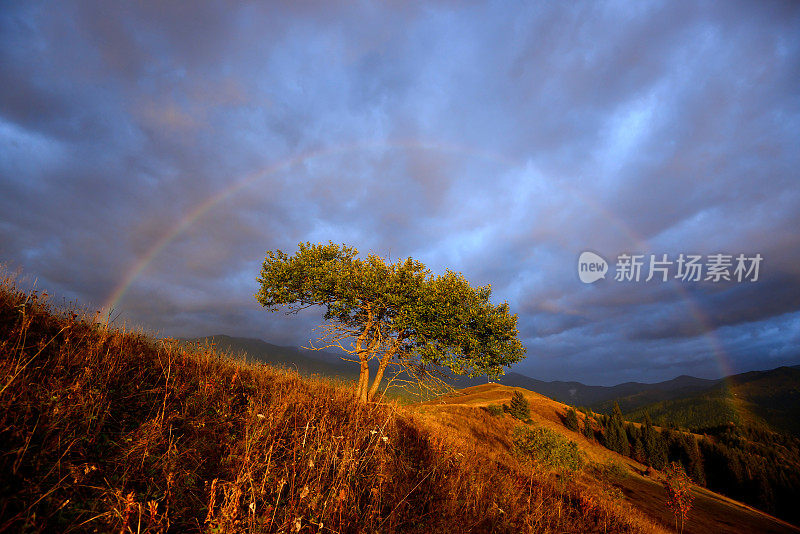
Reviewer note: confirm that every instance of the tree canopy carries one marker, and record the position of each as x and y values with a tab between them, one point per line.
400	314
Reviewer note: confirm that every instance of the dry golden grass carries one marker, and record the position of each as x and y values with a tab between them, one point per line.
111	431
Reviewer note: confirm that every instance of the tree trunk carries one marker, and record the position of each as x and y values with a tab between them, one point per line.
381	368
363	380
363	377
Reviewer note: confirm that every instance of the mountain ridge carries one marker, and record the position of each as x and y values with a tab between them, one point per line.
762	399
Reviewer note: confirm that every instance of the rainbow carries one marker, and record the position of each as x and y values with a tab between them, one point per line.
195	214
190	218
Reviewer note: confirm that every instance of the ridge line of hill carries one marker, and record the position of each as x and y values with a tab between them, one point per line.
631	395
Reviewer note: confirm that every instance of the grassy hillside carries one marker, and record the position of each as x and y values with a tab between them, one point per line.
112	431
319	364
464	414
302	361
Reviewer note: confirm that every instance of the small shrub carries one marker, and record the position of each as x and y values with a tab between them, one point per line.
495	410
519	407
615	469
679	493
548	448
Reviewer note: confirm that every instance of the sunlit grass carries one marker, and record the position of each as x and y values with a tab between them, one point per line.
113	431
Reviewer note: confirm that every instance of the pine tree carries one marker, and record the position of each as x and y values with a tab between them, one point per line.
610	438
519	407
649	438
571	420
694	465
658	457
638	451
616	437
588	431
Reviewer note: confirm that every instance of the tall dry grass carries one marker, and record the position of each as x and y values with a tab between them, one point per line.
104	430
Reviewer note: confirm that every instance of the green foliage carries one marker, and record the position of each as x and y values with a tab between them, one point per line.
519	407
548	448
755	466
571	420
614	468
691	413
399	313
638	452
615	437
683	448
588	430
495	410
655	449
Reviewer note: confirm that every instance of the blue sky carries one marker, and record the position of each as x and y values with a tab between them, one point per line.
151	153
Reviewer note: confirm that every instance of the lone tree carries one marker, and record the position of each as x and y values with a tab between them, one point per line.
679	493
399	313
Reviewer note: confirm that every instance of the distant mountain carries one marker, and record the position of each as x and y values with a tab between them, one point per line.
680	387
322	363
763	399
596	397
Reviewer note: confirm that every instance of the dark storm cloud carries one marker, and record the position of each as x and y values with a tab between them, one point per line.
161	150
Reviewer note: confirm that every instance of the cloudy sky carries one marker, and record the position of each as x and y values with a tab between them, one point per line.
151	153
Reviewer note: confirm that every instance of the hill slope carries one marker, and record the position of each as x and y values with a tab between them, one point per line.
462	414
302	361
111	431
